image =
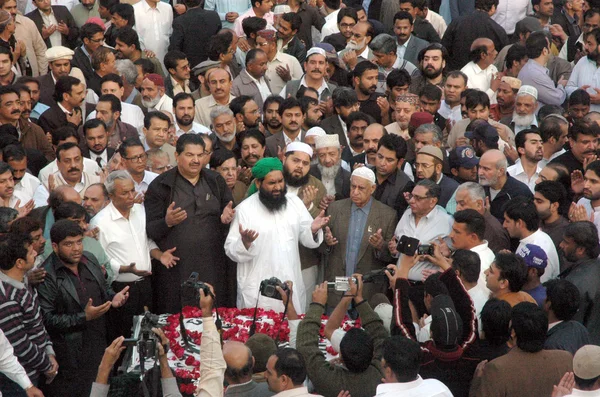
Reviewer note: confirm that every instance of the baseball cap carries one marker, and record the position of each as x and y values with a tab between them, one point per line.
463	156
484	132
446	324
586	362
533	255
433	151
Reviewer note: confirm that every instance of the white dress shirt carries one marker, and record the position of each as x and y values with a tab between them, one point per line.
204	106
417	388
544	241
297	392
124	240
103	157
517	172
67	3
130	114
49	20
401	50
433	225
449	113
40	197
28	185
586	72
196	129
486	256
9	363
165	103
509	12
154	26
142	187
281	59
262	86
330	27
89	167
563	51
480	79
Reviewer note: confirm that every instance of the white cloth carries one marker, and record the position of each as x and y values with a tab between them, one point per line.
262	86
584	393
437	21
563	51
165	103
586	72
401	48
595	210
297	392
28	185
89	167
142	187
40	197
49	20
479	296
330	27
222	7
435	224
417	388
18	197
544	241
517	172
274	253
130	114
281	59
449	113
509	12
154	26
486	256
103	157
196	129
320	90
124	240
480	79
9	363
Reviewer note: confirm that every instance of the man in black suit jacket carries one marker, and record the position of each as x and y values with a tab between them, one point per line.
65	24
192	31
95	143
69	94
92	36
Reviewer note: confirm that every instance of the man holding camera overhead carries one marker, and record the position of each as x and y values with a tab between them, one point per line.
265	234
358	232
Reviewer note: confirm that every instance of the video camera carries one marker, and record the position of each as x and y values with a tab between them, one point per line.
190	290
376	276
147	341
269	286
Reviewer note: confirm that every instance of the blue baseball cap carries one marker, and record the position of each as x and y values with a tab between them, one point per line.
533	255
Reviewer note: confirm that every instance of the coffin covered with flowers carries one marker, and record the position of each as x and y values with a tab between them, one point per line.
236	323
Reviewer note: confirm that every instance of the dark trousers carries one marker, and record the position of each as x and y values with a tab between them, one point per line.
416	293
140	295
8	388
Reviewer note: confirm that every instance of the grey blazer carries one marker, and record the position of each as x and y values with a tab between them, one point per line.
415	45
244	85
274	142
252	389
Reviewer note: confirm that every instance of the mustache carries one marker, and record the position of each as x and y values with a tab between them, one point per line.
370	151
74	169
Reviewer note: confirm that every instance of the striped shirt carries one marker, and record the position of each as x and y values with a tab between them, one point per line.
23	325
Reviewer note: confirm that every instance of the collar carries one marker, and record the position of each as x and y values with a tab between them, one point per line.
114	212
481	247
395	387
87	54
406	42
429	216
47	16
63	109
365	53
572	20
132	96
364	209
12	281
256	81
176	84
212	102
298	391
146	7
322	88
478	68
554	324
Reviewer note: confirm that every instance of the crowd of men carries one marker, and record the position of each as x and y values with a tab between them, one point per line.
448	149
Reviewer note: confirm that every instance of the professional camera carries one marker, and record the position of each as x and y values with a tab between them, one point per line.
268	288
190	290
147	341
377	276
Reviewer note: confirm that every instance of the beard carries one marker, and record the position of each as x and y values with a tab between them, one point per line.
523	121
151	103
185	120
310	123
329	173
431	73
355	45
224	138
294	181
273	123
488	182
272	203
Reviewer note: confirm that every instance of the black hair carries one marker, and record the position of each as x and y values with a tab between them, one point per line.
403	356
585	235
467	263
495	321
583	128
564	298
554	192
358	116
63	229
306	101
64	147
433	189
291	364
129	37
7	215
395	143
219	157
13	248
146	65
289	103
475	53
580	96
127	143
155	115
347	12
189	139
126	12
512	268
357	349
473	221
115	103
172	57
252	133
25	225
252	54
112	77
88	30
108	4
63	133
550	127
253	25
13	153
64	85
530	324
535	44
523	208
239	374
237	104
333	4
100	56
219	44
8	89
516	53
547	110
69	210
344	96
402	15
398	78
485	5
521	137
431	92
362	67
28	79
434	286
91	124
271	99
182	96
476	98
293	18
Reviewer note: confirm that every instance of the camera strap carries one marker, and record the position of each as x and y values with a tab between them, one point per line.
283	315
252	330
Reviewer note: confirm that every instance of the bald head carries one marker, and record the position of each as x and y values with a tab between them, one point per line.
236	354
495	156
481	42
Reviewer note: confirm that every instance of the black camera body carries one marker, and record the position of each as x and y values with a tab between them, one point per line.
147	341
377	276
268	288
190	290
425	249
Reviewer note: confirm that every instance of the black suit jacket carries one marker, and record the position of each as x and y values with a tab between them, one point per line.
342	181
47	89
85	151
62	14
191	33
81	61
54	118
332	125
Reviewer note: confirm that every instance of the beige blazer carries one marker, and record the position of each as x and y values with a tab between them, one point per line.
27	32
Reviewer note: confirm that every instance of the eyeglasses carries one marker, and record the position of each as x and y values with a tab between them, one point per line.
137	159
347	25
410	196
424	166
99	41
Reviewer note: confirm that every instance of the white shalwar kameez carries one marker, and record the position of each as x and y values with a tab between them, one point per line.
274	253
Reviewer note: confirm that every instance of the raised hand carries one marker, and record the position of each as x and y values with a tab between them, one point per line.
565	386
93	312
393	246
319	222
376	240
325	201
134	270
120	298
284	72
228	214
309	193
248	236
63	28
175	215
168	259
36	276
578	213
329	239
577	181
25	209
75	117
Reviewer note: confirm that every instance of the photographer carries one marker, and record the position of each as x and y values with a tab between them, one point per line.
359	348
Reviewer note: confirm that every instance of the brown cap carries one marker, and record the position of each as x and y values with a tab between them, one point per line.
586	363
433	151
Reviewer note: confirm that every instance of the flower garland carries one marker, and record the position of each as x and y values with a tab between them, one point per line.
236	327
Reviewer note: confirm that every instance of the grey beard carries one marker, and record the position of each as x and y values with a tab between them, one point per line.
152	103
523	121
329	172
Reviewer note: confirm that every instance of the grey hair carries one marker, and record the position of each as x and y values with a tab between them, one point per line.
383	43
121	175
218	111
475	190
152	153
126	68
433	189
426	128
502	163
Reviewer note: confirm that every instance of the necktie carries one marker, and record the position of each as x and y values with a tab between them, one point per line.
99	161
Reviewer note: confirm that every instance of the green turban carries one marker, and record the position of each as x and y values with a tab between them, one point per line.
262	168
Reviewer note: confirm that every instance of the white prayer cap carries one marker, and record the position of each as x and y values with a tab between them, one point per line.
365	173
529	90
316	131
59	52
299	147
315	50
329	140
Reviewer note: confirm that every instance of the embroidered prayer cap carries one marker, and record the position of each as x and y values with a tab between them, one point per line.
409	98
432	151
59	52
299	147
267	34
365	173
529	90
586	362
328	140
156	79
513	82
315	131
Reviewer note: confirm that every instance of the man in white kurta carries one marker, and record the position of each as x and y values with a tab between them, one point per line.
273	251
